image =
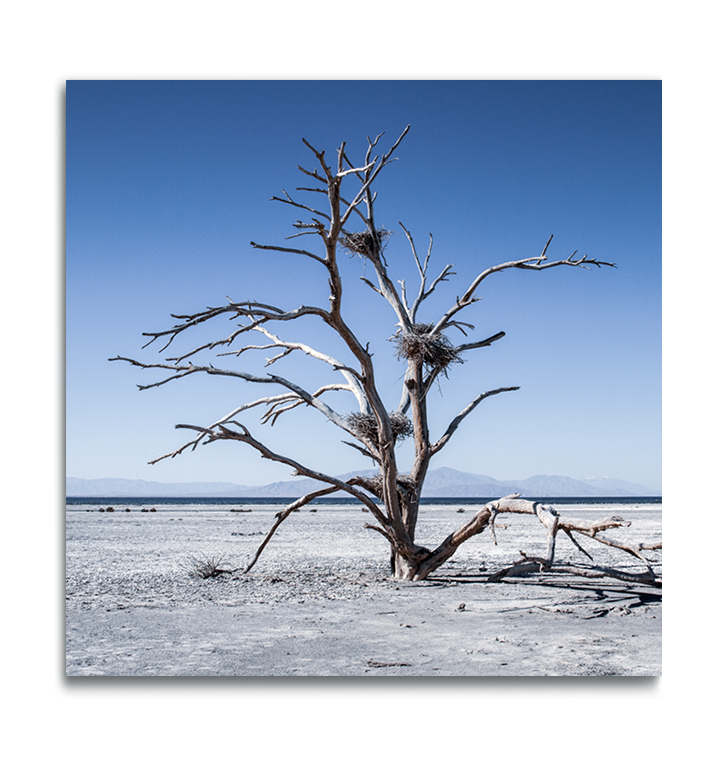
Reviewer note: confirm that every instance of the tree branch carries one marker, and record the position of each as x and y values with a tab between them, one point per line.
374	168
194	443
221	432
366	452
278	249
252	309
183	371
475	526
282	515
539	263
554	523
422	269
354	379
274	412
484	343
289	200
453	426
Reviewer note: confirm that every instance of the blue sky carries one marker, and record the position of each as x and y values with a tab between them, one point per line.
169	181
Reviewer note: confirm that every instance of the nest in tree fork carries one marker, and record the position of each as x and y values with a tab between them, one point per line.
361	242
422	346
365	426
406	488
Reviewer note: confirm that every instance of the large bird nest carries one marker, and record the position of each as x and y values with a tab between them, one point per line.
361	242
422	346
365	426
405	487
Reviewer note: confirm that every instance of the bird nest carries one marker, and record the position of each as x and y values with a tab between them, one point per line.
365	426
361	242
422	346
406	488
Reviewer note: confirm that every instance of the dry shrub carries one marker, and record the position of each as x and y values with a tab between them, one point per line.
421	346
365	426
206	567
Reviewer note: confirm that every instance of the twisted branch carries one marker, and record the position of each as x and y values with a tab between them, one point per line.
539	263
187	370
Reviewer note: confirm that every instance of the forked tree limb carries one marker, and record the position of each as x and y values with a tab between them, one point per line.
475	526
187	370
594	530
394	532
539	263
373	455
289	200
553	522
292	402
635	549
354	379
576	544
422	269
203	435
380	530
373	170
254	310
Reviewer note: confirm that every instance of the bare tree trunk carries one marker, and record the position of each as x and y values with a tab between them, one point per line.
402	569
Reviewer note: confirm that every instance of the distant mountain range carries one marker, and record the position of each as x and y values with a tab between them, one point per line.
443	482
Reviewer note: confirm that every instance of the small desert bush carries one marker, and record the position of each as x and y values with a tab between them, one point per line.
206	566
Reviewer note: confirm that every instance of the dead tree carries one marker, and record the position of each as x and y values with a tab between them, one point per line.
346	223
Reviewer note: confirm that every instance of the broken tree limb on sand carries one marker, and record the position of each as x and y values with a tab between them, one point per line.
554	523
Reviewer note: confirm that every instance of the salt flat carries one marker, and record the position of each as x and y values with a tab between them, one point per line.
319	601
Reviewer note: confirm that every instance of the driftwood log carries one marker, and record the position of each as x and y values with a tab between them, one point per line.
554	524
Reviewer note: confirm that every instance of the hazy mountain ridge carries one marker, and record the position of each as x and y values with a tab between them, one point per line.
443	482
124	487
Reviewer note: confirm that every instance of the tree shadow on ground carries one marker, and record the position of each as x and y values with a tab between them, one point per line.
605	590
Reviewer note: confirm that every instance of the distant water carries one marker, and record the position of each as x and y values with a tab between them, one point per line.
102	501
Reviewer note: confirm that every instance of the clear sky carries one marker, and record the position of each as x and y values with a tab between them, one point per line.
168	182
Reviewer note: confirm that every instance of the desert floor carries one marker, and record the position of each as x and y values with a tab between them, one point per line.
319	602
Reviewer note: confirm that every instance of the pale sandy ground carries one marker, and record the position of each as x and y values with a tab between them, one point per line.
319	602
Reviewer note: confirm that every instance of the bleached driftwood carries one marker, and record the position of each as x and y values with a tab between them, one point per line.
554	524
